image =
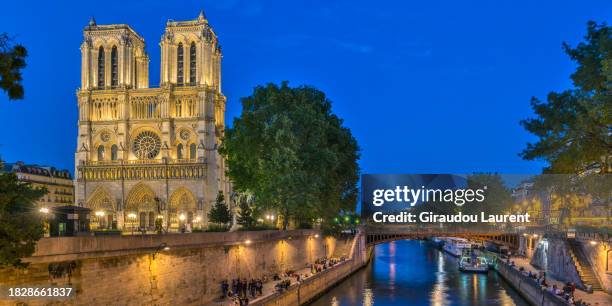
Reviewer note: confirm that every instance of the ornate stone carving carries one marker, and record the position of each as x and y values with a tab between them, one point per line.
147	145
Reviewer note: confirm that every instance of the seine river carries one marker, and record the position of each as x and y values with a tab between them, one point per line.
412	272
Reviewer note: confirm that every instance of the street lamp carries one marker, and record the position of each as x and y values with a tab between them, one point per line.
162	247
44	210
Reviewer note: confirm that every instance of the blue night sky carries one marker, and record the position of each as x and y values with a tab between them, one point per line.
427	86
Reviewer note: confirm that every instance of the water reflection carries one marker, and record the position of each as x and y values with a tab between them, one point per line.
414	273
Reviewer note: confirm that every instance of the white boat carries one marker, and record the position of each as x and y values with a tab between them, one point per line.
470	263
455	246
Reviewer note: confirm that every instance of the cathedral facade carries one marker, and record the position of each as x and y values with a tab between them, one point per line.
144	153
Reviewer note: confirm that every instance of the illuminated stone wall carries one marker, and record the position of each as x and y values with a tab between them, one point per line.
181	275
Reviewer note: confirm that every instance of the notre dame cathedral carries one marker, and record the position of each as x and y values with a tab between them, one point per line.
150	153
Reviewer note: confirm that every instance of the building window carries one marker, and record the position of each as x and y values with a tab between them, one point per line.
114	68
179	64
192	151
101	67
179	151
114	152
101	153
192	64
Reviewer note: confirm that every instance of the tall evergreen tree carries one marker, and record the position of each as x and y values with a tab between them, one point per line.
220	213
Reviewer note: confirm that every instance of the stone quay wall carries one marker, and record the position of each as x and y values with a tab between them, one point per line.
527	287
553	256
133	270
599	255
311	288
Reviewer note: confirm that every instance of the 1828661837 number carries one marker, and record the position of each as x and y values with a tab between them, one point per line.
38	292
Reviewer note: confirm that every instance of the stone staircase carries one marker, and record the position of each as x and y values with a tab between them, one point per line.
587	275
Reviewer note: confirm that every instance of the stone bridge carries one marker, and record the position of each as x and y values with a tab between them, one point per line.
376	235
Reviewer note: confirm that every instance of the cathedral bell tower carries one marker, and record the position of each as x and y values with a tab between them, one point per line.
190	54
113	56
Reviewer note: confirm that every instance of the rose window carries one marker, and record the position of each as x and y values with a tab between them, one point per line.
105	136
147	145
185	134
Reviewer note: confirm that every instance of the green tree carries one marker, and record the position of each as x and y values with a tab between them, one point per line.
289	150
498	197
12	62
573	127
21	224
246	216
220	213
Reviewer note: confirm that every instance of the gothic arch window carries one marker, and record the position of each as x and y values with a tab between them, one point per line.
192	151
179	151
101	67
114	152
101	153
114	67
179	64
192	64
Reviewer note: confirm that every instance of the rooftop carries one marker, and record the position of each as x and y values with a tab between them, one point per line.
21	167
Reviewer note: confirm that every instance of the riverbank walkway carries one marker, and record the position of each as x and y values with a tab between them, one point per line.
596	298
269	287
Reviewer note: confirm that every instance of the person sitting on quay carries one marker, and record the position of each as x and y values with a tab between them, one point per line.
244	286
234	287
224	289
259	286
252	288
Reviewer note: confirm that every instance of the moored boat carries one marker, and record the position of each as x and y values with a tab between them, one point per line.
471	262
455	246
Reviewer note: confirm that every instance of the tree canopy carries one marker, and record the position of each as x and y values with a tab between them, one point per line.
12	62
290	151
573	127
20	222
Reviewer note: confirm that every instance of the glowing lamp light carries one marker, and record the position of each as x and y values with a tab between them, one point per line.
247	241
316	236
160	217
198	219
44	210
182	217
132	215
535	235
268	217
271	217
593	242
99	213
166	248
